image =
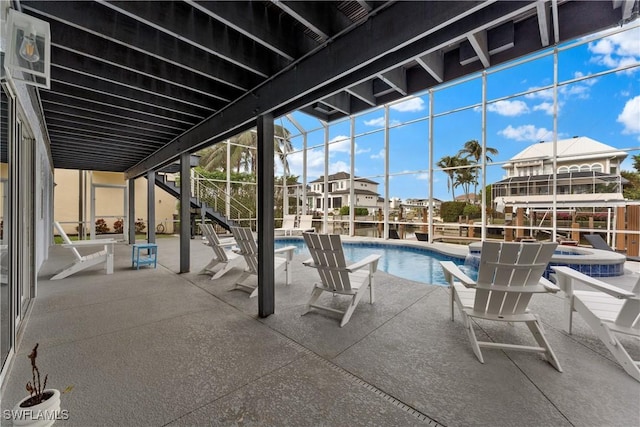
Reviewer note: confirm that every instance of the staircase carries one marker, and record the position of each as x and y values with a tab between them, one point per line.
206	211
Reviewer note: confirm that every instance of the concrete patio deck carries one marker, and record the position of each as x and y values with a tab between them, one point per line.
152	347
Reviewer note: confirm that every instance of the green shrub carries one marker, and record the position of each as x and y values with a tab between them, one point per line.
472	211
358	211
450	211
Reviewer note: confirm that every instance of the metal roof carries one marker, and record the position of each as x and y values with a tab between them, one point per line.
137	83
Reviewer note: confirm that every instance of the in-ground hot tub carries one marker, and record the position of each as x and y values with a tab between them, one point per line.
592	262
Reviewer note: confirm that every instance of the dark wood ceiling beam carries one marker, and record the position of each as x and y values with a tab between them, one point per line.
433	63
119	76
90	28
177	19
65	98
108	140
76	118
85	149
321	17
85	130
364	92
120	97
257	22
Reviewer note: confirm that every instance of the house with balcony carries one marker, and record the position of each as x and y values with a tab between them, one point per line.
339	193
588	175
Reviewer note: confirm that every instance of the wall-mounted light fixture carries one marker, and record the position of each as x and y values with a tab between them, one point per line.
28	55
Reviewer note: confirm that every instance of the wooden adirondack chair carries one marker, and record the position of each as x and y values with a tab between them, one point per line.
608	310
248	248
288	224
224	259
508	276
85	261
327	256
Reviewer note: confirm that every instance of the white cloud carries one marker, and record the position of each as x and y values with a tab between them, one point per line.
575	91
340	143
508	108
546	107
379	155
526	133
411	105
423	176
379	121
630	116
617	50
338	166
541	94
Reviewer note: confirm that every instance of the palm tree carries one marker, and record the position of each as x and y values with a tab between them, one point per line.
447	163
243	151
473	149
464	177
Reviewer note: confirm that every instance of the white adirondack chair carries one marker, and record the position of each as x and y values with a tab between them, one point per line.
305	225
327	256
248	248
288	224
224	259
508	276
85	261
608	310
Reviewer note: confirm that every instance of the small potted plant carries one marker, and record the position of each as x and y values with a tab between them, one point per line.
42	406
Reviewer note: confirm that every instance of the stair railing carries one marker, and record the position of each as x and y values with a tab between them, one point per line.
213	193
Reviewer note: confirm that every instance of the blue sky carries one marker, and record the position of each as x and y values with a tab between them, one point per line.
605	108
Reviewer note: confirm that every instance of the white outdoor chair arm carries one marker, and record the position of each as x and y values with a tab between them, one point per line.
563	273
548	285
287	251
455	271
308	262
371	259
97	242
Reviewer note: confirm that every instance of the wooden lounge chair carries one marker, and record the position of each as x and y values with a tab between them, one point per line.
509	274
224	259
248	248
598	242
85	261
608	310
288	225
422	237
336	276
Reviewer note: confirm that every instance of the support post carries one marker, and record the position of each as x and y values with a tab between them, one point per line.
266	280
185	212
132	211
508	222
151	206
620	228
633	225
520	222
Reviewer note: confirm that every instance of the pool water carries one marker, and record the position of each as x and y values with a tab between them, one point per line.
417	264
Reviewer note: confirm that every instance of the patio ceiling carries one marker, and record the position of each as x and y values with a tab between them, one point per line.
135	84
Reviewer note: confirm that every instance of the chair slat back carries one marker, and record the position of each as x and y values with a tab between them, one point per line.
289	222
515	266
328	257
629	316
210	233
248	247
306	222
66	239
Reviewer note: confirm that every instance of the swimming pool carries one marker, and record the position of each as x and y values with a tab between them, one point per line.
412	263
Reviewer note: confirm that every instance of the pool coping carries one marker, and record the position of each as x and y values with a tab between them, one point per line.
587	256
